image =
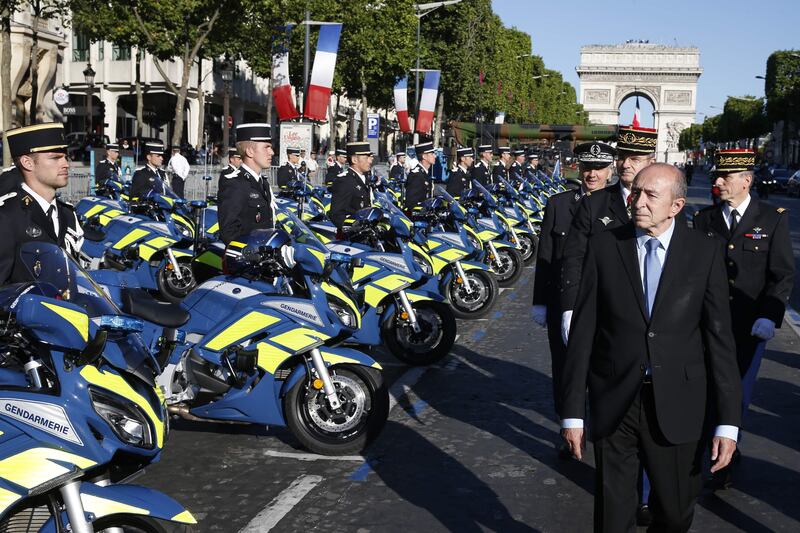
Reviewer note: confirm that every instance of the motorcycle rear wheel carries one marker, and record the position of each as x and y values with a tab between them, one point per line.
351	428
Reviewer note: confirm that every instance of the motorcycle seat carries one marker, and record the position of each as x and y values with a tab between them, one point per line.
138	302
92	234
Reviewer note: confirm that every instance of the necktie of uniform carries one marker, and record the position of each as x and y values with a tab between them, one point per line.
49	215
652	273
734	220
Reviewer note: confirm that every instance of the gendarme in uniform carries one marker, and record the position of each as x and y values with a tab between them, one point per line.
107	169
460	178
418	181
351	191
287	172
25	215
149	178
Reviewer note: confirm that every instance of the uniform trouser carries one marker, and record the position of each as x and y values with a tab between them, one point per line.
750	376
177	186
674	473
557	354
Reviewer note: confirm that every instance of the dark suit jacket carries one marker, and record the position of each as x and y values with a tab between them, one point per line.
480	171
458	181
145	180
418	186
687	342
245	204
558	214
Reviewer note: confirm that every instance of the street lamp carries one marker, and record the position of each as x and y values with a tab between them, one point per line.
226	71
422	10
88	76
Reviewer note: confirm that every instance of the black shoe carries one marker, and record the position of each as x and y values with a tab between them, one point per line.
643	516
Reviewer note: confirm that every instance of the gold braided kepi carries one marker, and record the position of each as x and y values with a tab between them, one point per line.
734	160
637	140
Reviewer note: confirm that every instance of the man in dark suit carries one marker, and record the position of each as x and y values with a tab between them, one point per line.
604	209
759	260
288	172
596	167
30	211
500	169
419	181
517	168
481	170
246	203
336	168
151	177
351	190
653	343
398	170
230	170
460	178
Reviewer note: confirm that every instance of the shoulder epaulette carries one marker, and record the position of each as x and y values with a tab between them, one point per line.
232	174
65	203
140	168
697	212
5	197
781	210
7	169
343	173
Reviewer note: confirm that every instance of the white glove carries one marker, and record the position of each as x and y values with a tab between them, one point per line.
539	313
566	319
763	328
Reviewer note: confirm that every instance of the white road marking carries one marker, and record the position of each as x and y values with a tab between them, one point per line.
282	504
313	456
792	318
400	387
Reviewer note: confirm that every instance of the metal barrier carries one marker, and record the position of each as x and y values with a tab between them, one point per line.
195	188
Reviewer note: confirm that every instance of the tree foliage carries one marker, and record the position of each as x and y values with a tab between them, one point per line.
782	86
690	137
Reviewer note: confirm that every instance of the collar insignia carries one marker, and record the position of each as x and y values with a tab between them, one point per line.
33	232
757	230
37	268
27	200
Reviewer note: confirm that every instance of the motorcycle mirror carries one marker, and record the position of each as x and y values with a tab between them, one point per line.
198	204
94	349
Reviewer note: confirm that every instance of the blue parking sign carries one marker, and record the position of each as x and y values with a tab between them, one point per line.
373	125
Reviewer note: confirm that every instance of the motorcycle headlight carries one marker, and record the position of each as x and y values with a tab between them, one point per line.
345	314
126	419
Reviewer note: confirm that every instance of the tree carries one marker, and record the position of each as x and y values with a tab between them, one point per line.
7	9
711	129
782	86
742	118
690	137
41	10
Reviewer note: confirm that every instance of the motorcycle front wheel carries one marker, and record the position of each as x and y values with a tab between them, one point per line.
527	250
139	524
507	266
476	302
344	431
434	340
170	287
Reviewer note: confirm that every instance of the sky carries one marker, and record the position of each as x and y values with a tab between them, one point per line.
735	38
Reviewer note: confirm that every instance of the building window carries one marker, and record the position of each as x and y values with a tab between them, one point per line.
80	47
120	53
101	50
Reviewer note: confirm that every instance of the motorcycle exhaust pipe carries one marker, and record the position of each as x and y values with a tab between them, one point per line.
182	410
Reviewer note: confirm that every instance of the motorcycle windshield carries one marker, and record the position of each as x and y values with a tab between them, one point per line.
455	207
509	188
57	273
389	206
298	230
486	194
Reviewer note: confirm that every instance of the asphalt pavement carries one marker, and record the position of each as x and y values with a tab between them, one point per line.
470	445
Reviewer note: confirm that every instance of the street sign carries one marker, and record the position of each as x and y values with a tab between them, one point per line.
373	125
60	96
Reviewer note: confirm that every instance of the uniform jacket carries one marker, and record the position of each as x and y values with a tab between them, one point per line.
397	172
480	172
758	259
333	171
23	220
105	170
499	171
348	195
458	181
558	214
245	204
286	174
418	186
687	340
146	180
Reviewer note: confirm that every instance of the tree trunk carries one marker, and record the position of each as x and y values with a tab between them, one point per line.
363	108
201	102
332	123
139	95
437	125
5	80
177	132
34	70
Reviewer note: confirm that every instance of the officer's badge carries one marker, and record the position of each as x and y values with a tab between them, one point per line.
605	220
37	268
781	210
254	195
33	232
577	196
27	200
358	187
757	230
151	179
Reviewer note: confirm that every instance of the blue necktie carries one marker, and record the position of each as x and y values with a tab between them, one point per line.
652	273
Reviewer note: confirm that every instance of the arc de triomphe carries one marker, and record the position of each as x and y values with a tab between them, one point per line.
665	75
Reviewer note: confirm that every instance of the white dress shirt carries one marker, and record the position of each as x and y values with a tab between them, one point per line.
741	208
730	432
45	205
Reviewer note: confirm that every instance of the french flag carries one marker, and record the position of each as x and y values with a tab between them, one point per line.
636	116
281	88
401	104
319	88
427	102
